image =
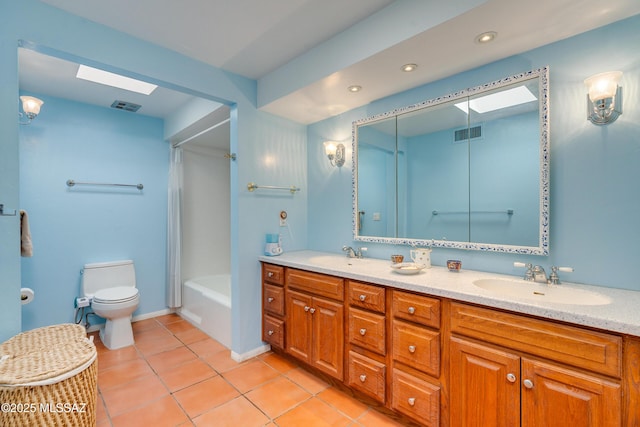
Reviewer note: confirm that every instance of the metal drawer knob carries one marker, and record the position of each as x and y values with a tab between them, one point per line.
363	297
312	310
411	401
270	299
270	333
270	274
306	308
411	310
528	383
363	378
363	331
412	349
511	378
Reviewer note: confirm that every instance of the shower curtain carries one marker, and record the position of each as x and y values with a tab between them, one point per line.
174	230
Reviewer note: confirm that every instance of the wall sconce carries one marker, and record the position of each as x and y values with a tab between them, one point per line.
335	153
31	107
604	102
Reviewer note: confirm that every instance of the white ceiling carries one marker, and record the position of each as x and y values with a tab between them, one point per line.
256	38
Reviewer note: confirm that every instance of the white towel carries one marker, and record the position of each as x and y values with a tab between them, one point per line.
26	247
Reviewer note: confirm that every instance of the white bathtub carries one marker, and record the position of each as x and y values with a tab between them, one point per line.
206	302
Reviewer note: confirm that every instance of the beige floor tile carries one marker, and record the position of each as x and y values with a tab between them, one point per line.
250	375
312	384
206	395
237	413
168	318
313	413
110	358
191	336
145	325
157	344
186	374
222	361
373	418
179	326
206	347
277	362
278	396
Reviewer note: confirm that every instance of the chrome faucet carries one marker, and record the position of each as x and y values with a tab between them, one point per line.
535	273
354	254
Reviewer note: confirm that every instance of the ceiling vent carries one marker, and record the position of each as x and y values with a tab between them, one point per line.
127	106
465	134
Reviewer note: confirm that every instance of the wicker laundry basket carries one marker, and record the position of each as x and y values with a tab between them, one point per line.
48	377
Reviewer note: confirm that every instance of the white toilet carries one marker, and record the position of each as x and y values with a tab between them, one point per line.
111	286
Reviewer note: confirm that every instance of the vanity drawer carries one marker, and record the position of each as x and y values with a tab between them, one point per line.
417	347
273	274
367	330
273	299
366	296
316	283
416	398
273	331
579	347
367	376
417	308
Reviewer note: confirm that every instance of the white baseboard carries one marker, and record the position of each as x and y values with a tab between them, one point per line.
249	354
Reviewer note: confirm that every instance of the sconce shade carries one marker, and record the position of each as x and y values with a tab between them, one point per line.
31	106
603	85
335	153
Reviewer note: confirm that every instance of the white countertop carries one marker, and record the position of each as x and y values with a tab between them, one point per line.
621	315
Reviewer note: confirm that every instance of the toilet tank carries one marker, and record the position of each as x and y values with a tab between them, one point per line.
104	275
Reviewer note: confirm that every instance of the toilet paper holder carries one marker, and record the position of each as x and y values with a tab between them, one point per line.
2	212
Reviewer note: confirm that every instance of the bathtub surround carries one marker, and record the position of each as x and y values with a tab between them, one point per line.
206	303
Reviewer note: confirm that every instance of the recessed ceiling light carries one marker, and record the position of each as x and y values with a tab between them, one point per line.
115	80
354	88
486	37
409	67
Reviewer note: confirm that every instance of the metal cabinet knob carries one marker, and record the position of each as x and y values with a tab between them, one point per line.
270	333
363	331
270	274
306	308
312	310
363	378
411	401
411	310
528	383
412	349
511	378
270	299
363	297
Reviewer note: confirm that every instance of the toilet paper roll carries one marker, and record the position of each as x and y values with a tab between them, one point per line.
26	295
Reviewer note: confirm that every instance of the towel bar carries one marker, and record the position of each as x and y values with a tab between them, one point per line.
253	186
71	183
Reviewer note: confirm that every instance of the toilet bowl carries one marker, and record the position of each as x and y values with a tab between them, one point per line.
114	297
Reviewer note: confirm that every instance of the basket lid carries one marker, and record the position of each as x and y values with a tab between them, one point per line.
45	355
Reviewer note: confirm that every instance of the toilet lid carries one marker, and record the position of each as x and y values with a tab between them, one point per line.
118	294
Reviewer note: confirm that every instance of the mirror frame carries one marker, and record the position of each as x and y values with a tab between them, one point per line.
542	74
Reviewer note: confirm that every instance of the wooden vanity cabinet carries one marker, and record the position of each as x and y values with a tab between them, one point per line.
273	305
316	321
493	385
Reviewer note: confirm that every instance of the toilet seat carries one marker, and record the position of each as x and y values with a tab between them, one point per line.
116	295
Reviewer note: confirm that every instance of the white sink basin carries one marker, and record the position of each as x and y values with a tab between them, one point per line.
541	292
336	260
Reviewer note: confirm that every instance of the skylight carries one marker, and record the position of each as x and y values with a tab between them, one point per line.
498	100
115	80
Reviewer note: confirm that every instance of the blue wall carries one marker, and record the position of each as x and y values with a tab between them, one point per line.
595	178
74	226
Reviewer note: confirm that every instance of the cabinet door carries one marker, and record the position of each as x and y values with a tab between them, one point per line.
485	386
555	396
299	320
328	336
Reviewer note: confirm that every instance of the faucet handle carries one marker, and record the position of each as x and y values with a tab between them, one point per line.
528	275
360	254
554	279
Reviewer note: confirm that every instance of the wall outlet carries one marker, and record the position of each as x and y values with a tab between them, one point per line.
376	216
82	302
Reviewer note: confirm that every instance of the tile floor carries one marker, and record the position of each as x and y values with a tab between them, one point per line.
176	375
